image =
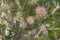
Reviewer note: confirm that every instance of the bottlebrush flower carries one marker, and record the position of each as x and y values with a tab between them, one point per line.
44	30
30	20
40	11
23	25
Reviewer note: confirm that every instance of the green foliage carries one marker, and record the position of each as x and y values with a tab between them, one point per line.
15	32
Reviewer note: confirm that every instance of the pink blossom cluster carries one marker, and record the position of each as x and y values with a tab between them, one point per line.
40	11
43	29
30	20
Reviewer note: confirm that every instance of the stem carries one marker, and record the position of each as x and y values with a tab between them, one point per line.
37	34
55	9
17	1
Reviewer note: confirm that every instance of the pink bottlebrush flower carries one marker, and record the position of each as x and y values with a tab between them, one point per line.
40	11
44	30
23	25
30	20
